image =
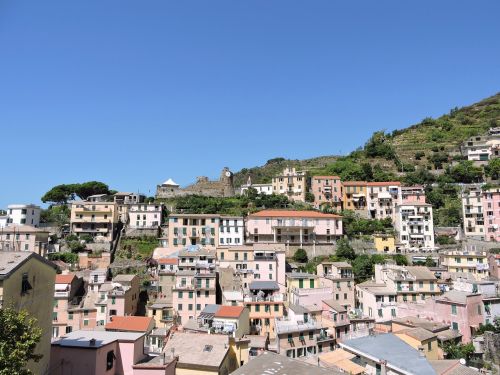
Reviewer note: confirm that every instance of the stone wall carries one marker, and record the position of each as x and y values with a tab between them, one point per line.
492	347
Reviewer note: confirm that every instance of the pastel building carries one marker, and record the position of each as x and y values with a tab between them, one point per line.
27	283
382	199
265	302
24	238
97	352
376	300
96	219
265	189
489	292
193	229
461	311
410	194
23	214
385	243
491	209
304	289
231	231
67	297
414	225
327	191
339	278
473	212
494	265
264	262
355	196
474	263
145	215
292	183
120	297
293	227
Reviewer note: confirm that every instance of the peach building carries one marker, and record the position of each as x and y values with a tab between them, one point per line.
355	196
193	229
97	219
293	227
339	278
327	191
474	263
24	238
145	215
67	296
473	212
265	303
291	183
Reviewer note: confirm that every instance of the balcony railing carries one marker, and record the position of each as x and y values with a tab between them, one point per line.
276	298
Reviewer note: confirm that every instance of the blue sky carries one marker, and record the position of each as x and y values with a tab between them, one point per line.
134	92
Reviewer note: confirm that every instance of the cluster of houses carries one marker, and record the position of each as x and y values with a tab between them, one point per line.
232	308
218	296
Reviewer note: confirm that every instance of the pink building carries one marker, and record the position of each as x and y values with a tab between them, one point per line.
494	265
67	298
412	194
327	191
97	352
293	227
462	311
491	209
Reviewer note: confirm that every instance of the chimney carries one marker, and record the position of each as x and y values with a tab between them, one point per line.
92	342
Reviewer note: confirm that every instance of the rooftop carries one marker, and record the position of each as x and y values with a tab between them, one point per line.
413	321
421	272
14	228
276	364
82	339
65	279
129	323
289	213
168	261
301	275
263	285
418	333
398	354
335	305
451	367
456	296
229	312
198	349
123	278
12	260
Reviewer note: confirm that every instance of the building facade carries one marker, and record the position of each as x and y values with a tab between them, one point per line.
23	214
382	199
193	229
231	231
292	183
327	191
96	219
414	225
293	227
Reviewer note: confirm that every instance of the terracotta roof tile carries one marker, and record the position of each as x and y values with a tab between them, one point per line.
229	312
129	323
65	279
386	183
168	261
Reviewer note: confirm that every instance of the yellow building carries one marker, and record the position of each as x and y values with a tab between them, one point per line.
384	243
97	219
27	283
291	183
354	195
421	339
473	262
301	280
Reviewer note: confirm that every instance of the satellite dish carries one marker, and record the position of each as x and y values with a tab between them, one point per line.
463	361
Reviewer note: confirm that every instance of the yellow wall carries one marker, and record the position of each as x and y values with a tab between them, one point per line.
431	354
384	241
38	302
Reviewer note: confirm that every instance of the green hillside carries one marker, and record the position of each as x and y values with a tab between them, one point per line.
431	145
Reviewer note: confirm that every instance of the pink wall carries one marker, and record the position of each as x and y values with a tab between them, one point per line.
264	226
491	209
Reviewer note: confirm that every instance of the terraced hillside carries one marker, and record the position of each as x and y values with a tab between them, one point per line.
432	144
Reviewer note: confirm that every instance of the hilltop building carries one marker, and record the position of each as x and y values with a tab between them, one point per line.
224	187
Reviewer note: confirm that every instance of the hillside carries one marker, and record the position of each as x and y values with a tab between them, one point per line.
430	144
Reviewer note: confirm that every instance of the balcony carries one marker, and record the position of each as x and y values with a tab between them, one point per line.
276	298
265	257
60	294
324	337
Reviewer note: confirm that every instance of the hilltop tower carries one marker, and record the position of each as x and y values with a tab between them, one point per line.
226	178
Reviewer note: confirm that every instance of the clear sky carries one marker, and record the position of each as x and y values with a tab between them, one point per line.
134	92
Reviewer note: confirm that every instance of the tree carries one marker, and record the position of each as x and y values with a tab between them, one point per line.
465	172
87	189
362	267
379	146
18	339
457	351
492	170
345	250
300	256
429	262
400	260
309	197
60	194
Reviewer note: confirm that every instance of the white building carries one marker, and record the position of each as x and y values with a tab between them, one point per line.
231	231
21	214
414	225
145	215
266	189
473	213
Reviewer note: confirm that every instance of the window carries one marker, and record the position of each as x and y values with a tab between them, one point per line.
179	294
70	315
454	326
454	309
179	307
190	307
257	308
276	307
429	346
85	322
110	358
190	295
25	284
